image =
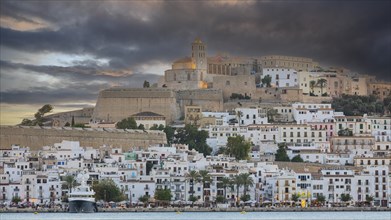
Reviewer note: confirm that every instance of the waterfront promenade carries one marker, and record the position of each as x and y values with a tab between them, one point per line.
201	209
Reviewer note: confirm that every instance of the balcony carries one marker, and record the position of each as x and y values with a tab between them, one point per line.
146	188
16	190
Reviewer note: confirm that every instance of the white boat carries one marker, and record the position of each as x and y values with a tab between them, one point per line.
82	198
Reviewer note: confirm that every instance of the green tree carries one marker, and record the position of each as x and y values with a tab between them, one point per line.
144	199
387	103
271	114
322	83
245	198
238	147
146	84
206	180
312	85
192	199
149	166
70	182
358	105
281	154
345	197
220	199
107	190
196	139
345	132
295	197
39	116
225	183
297	159
79	125
157	127
73	121
16	199
163	195
194	178
237	182
267	80
170	131
27	122
247	182
141	127
320	198
41	113
127	123
368	198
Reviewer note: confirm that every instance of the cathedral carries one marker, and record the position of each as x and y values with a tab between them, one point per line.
188	72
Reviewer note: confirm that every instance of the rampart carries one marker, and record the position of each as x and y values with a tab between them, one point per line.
118	103
37	137
209	99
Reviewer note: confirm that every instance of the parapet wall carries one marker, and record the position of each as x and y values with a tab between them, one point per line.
113	105
37	137
209	99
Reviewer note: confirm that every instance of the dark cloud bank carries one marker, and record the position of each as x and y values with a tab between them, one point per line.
132	34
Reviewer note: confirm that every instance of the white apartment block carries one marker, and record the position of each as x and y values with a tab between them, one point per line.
381	130
357	124
357	145
281	77
222	118
251	116
304	113
300	133
337	182
285	113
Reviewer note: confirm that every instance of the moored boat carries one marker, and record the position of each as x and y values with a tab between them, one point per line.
82	199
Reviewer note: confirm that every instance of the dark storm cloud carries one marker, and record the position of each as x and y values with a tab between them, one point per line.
130	34
77	83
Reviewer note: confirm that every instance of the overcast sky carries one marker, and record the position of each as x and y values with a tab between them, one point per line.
64	52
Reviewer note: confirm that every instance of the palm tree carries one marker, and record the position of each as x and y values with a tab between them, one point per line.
225	182
246	181
239	114
271	113
312	85
194	177
205	178
69	181
322	83
237	181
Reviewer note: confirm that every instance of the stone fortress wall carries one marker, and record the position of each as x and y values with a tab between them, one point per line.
37	137
118	103
80	116
209	99
242	84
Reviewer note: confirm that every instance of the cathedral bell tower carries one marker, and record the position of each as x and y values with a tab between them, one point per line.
198	54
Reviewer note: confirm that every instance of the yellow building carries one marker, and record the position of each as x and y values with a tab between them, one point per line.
297	63
380	89
193	114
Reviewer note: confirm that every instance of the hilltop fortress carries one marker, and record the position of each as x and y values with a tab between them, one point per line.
223	83
195	81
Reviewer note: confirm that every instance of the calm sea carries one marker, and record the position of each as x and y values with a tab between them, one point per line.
199	216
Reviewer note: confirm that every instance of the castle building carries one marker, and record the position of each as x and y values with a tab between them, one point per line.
297	63
189	72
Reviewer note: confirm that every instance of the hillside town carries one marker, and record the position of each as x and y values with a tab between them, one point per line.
214	131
